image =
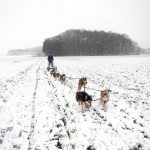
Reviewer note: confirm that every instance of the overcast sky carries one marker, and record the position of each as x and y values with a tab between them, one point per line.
26	23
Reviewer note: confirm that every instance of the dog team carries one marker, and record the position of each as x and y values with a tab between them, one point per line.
82	97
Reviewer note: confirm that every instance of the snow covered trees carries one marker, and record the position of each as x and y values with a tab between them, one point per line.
83	42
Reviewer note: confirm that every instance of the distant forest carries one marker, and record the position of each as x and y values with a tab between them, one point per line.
34	51
90	43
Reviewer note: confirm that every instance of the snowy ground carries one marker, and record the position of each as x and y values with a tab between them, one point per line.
38	113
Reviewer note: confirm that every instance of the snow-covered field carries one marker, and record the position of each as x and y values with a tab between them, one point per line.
38	113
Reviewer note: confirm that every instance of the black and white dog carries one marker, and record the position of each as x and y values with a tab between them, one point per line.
84	99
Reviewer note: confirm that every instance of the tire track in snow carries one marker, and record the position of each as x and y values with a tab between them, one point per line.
33	121
59	109
46	117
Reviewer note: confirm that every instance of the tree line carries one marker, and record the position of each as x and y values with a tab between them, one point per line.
90	43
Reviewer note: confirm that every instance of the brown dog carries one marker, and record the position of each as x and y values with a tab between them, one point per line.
62	79
84	99
104	98
82	82
56	76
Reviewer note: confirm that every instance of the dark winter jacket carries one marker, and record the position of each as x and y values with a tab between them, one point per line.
50	58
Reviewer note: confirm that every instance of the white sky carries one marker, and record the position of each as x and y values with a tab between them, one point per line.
26	23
